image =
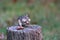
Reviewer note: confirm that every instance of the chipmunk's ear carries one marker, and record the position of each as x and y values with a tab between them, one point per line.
27	14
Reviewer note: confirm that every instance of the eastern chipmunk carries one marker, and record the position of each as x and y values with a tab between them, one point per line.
23	21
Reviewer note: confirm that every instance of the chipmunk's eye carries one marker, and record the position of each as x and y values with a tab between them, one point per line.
23	20
29	19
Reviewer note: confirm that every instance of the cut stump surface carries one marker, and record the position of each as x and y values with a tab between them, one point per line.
32	32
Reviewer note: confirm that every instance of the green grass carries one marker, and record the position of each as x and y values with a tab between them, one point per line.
48	18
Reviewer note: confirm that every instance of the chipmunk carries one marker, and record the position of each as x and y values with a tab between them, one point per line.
23	21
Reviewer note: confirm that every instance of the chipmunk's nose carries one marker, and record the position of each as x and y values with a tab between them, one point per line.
27	22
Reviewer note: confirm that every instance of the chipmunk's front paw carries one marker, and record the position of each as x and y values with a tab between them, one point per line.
20	28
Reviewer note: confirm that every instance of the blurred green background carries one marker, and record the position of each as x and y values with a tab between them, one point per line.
45	13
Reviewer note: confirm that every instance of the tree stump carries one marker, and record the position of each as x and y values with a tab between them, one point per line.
32	32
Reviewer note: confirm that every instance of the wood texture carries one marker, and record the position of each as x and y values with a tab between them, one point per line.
32	32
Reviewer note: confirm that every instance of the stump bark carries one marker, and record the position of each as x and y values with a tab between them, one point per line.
33	32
